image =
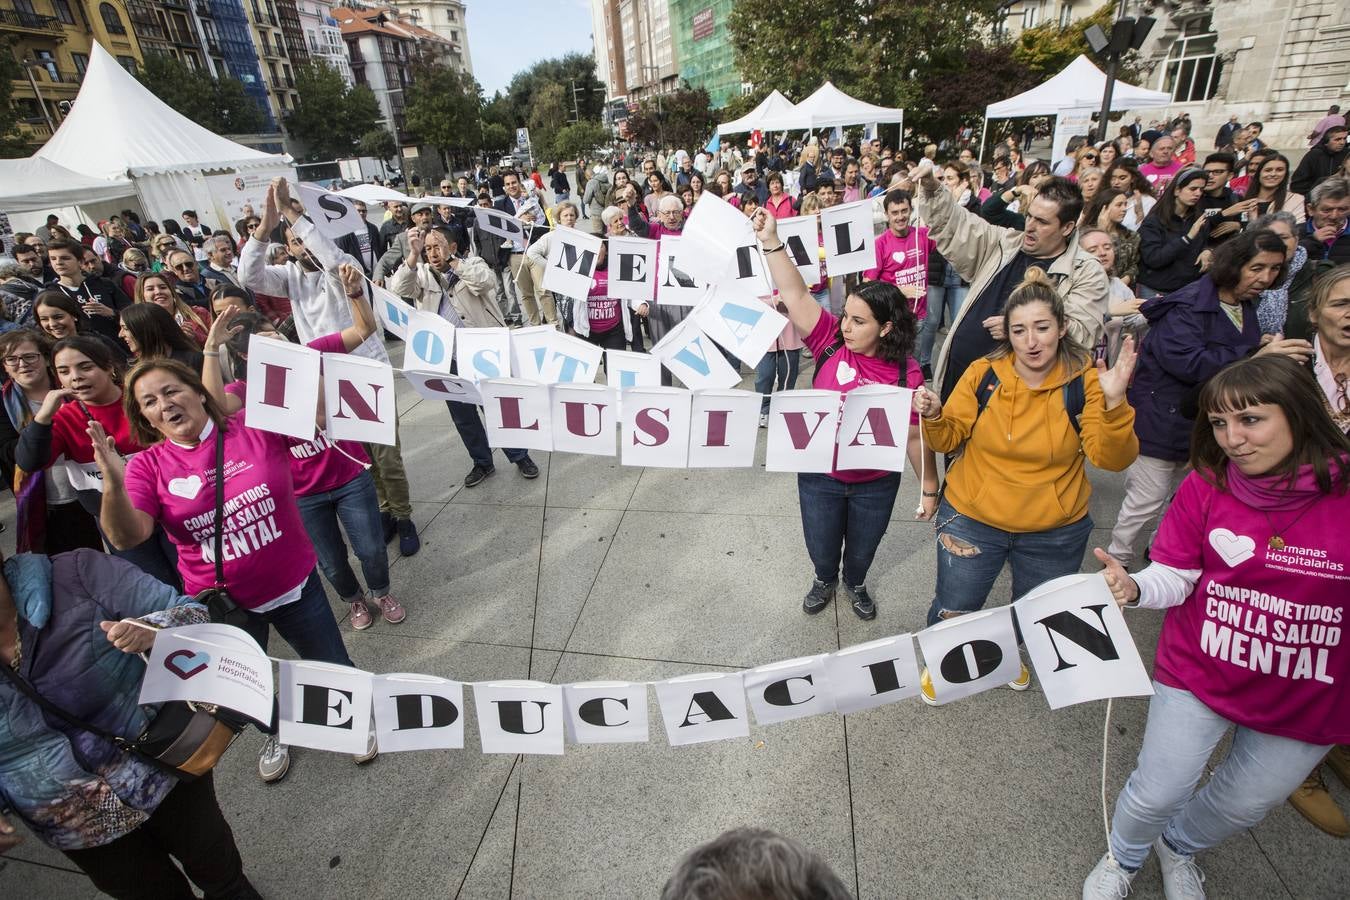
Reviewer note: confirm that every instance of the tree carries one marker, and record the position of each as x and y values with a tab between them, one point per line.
573	70
497	138
958	86
1047	49
330	117
12	143
680	119
577	139
443	109
221	105
498	111
380	144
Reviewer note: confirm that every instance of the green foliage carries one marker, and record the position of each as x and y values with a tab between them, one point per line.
330	118
563	72
498	111
576	139
12	143
378	143
442	109
497	138
958	85
221	104
681	119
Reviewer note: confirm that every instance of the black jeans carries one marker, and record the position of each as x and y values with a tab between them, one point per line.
187	826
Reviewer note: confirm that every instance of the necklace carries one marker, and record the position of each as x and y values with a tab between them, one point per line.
1276	542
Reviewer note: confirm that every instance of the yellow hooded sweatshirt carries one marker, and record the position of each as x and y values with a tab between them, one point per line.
1023	467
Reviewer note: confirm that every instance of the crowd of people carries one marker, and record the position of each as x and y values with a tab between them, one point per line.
1139	305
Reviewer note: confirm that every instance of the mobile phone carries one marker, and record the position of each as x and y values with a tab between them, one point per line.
1211	213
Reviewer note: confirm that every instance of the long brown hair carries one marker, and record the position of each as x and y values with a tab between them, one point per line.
142	432
1279	381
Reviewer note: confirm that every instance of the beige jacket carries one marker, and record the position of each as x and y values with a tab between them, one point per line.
977	251
474	295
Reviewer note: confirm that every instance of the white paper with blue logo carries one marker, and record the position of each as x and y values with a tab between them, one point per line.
1078	642
430	342
483	353
390	309
626	369
747	327
695	358
572	361
530	350
210	663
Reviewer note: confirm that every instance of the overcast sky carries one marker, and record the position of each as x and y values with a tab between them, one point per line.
505	38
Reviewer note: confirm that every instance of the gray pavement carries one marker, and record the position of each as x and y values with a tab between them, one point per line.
595	571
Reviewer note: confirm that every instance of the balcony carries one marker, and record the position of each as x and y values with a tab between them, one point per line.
203	9
175	4
213	47
17	20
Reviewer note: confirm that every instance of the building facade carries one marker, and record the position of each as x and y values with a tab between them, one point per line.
447	20
323	37
52	40
704	47
274	48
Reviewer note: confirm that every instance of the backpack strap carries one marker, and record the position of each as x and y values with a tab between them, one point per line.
1074	400
983	391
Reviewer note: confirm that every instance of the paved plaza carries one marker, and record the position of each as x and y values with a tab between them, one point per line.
595	571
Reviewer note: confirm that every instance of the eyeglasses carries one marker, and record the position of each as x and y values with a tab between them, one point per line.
1091	156
30	359
184	267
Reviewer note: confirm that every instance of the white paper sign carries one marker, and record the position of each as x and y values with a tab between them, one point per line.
873	674
971	653
283	383
232	671
714	229
746	327
748	277
572	360
530	350
494	221
789	690
429	342
850	244
801	431
584	416
517	413
655	428
359	399
438	386
606	712
324	706
334	215
701	708
83	476
418	712
625	369
483	353
874	428
374	193
801	238
632	268
392	312
674	286
520	717
724	429
1078	642
695	359
572	256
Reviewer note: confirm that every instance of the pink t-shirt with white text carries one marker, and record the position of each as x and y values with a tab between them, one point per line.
903	261
846	370
602	310
1262	638
266	550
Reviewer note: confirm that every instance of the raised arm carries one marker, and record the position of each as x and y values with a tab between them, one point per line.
254	272
802	309
363	317
124	525
222	329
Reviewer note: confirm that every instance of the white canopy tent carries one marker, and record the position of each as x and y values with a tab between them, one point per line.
1080	84
829	107
774	113
118	130
37	185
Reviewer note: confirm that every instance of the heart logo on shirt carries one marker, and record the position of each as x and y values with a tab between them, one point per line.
187	488
844	373
900	256
1234	548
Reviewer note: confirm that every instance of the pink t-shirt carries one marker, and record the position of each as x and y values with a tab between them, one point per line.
904	261
1261	640
601	309
266	550
1158	176
846	370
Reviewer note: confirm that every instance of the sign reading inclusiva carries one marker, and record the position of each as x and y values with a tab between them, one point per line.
1074	633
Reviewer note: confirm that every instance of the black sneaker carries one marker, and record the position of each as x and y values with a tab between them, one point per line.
390	526
528	468
863	607
408	541
818	597
476	476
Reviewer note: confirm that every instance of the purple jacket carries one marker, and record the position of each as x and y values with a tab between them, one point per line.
1190	339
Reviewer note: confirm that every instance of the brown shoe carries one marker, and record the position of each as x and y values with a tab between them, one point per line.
1339	761
1315	804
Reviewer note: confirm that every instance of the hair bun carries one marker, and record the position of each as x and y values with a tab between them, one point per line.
1035	276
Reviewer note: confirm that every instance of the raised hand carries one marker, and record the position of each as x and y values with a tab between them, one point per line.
1116	380
50	404
353	279
766	227
1123	588
222	329
927	404
110	462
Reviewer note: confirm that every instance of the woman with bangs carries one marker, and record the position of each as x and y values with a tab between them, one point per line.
1249	567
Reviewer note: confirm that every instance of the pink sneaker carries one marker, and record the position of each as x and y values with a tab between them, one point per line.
361	619
390	608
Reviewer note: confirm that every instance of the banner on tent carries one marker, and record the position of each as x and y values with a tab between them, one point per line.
1075	636
231	193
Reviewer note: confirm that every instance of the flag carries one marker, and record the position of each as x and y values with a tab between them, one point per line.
715	144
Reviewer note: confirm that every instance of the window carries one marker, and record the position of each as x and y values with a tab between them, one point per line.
62	11
111	20
25	8
129	63
1193	67
449	15
1031	14
1065	15
454	35
48	61
81	61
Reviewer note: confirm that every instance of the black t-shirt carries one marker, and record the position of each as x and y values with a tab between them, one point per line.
99	290
1226	199
971	340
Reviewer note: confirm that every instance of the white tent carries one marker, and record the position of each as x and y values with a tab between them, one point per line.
1080	84
38	185
773	113
117	129
829	107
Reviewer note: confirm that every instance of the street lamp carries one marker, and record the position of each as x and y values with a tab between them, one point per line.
28	66
1126	34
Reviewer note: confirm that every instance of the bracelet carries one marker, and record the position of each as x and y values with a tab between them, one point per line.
932	493
780	246
215	352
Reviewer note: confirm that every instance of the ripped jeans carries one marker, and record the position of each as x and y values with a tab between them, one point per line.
970	555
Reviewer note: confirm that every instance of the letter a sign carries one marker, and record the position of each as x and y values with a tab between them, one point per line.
571	262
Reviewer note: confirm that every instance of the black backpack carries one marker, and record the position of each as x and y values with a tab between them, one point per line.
1074	397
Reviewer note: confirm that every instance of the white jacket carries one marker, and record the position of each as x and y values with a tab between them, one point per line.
473	298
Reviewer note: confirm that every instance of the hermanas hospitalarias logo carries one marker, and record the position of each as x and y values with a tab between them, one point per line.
1234	549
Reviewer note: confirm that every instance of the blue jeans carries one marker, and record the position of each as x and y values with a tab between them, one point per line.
1259	772
356	505
473	433
777	371
307	625
941	298
970	554
844	520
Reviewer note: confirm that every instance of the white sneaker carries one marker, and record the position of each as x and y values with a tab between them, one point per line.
273	760
763	420
1182	878
1108	881
372	751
